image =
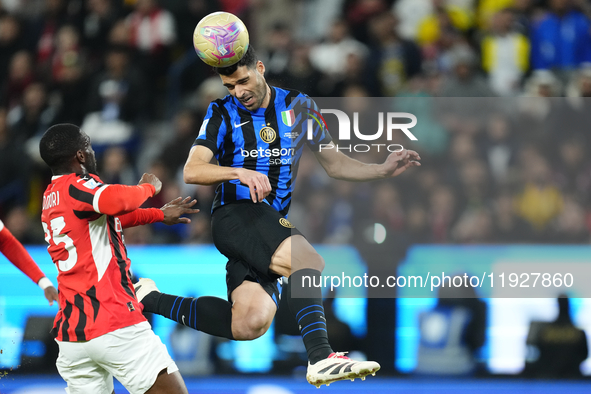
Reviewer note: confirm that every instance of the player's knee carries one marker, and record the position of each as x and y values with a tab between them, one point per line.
251	327
311	260
316	261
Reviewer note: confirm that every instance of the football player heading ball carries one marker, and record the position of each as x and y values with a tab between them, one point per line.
250	133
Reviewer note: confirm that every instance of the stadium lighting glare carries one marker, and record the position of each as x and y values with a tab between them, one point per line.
379	233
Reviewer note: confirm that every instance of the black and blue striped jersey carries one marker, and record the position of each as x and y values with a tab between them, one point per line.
269	141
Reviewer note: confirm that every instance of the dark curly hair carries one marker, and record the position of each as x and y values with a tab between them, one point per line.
60	143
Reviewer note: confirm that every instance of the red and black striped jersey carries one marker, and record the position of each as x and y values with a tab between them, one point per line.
83	221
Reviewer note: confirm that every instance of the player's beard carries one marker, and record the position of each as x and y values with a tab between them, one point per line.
91	166
259	96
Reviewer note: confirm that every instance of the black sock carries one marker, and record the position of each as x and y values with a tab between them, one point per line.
211	315
309	315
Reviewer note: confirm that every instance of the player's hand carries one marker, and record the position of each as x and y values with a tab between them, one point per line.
51	294
398	162
257	183
152	180
174	209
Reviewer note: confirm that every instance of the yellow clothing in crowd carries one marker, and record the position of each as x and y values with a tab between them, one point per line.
430	30
491	54
539	205
487	8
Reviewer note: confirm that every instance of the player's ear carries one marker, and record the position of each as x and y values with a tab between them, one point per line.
260	68
80	157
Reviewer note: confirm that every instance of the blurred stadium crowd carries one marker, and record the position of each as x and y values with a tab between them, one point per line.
126	71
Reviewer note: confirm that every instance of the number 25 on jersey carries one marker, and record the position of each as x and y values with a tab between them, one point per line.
57	225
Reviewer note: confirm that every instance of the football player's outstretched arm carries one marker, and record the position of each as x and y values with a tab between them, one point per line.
169	214
340	166
117	200
198	170
18	255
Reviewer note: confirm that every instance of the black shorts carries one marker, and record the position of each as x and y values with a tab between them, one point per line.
248	234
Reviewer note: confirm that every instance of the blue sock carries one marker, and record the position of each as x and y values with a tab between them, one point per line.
309	315
211	315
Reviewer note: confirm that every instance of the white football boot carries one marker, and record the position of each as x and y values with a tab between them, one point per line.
339	367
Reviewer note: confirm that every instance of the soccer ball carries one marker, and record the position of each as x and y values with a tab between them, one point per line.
220	39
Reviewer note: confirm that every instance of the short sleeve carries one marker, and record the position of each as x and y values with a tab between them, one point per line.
320	134
213	129
85	192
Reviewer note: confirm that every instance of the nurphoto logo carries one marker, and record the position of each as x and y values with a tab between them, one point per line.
391	120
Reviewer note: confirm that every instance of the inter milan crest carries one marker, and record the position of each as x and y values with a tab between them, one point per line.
286	223
268	134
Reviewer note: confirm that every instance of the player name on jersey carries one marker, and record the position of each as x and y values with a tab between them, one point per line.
51	200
